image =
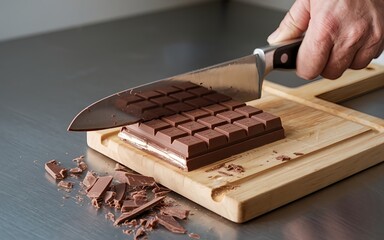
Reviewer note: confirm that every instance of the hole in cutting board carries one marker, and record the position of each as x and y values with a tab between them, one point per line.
365	96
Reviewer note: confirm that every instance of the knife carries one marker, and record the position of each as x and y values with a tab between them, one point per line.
241	79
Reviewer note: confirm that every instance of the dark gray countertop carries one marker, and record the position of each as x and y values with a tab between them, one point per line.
46	80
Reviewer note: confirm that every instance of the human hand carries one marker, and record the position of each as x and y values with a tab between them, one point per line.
339	34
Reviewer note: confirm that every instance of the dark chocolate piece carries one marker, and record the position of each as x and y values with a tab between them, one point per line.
170	223
137	211
100	187
55	170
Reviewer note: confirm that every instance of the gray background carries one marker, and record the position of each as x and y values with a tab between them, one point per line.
46	80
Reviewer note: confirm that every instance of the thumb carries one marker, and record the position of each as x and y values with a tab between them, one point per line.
294	24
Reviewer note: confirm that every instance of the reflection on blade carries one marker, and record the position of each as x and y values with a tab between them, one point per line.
238	79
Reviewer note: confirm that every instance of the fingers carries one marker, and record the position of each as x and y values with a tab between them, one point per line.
294	24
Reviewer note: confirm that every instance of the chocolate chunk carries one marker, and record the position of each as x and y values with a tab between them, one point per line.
99	187
76	170
283	158
170	223
55	170
175	212
89	179
128	205
139	210
135	180
65	184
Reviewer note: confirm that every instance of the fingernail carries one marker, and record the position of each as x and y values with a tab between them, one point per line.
272	38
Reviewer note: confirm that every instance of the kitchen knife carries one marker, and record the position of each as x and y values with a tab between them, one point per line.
241	79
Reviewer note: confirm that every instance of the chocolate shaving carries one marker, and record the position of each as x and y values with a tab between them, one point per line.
137	211
55	170
110	216
109	196
170	223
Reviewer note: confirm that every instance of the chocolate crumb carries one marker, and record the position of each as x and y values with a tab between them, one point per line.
65	184
96	203
194	235
82	165
298	153
110	216
283	158
140	232
274	151
235	168
128	231
78	159
76	170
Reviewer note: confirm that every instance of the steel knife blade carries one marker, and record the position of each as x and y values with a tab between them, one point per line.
240	79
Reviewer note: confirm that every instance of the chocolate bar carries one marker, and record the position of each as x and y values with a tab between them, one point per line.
204	127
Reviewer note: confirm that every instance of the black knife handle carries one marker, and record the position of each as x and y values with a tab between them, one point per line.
284	56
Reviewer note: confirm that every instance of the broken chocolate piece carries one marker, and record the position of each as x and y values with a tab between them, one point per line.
89	179
175	212
109	197
76	170
135	180
137	211
55	170
170	223
65	184
235	168
128	205
99	187
110	216
283	158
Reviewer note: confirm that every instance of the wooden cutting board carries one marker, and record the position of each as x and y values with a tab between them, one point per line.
336	142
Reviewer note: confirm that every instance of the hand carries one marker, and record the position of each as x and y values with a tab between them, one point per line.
339	34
